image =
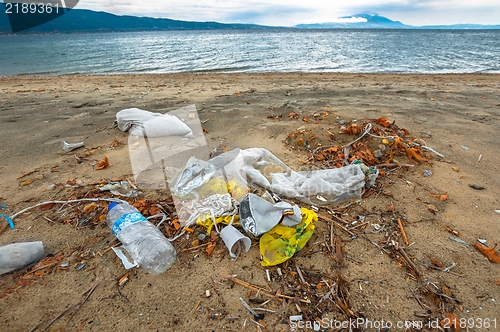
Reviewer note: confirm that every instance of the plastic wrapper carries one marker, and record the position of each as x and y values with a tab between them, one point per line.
282	242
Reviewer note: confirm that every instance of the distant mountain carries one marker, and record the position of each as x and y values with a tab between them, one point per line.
83	20
374	21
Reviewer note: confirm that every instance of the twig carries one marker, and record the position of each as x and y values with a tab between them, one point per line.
195	307
300	275
359	261
76	306
424	306
279	297
67	202
432	150
243	302
196	247
394	165
26	174
407	259
403	233
375	244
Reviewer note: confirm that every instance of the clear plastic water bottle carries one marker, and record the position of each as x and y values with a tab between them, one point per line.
144	242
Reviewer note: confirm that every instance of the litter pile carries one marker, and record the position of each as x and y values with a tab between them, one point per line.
239	197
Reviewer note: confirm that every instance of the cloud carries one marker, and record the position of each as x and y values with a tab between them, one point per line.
289	12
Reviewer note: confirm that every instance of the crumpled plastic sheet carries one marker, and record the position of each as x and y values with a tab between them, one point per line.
282	242
259	166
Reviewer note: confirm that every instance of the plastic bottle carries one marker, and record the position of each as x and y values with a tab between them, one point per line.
17	255
143	241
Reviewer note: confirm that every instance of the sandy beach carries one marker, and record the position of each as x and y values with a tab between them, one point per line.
457	115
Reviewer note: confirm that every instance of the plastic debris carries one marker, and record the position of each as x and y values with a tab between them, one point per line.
258	216
281	242
9	220
459	241
427	172
232	236
144	123
120	189
70	147
465	147
127	262
17	255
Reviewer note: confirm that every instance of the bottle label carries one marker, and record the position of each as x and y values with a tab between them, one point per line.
127	220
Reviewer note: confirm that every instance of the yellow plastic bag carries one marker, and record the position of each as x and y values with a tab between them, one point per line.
281	242
218	185
207	222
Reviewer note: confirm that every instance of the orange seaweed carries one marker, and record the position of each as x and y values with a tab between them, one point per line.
102	164
490	253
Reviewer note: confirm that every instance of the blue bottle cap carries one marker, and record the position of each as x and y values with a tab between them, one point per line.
112	205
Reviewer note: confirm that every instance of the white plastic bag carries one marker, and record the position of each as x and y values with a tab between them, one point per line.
144	123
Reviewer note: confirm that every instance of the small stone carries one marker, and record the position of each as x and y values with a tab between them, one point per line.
51	187
39	177
497	211
465	147
27	183
432	208
456	169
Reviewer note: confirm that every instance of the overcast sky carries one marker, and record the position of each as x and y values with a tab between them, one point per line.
291	12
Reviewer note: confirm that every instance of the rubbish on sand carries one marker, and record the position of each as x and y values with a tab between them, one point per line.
144	123
459	241
70	147
281	242
258	216
128	262
231	236
143	241
120	188
17	255
9	220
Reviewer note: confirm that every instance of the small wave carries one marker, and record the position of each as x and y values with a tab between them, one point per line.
223	69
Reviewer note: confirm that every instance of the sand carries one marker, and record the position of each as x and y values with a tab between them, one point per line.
457	115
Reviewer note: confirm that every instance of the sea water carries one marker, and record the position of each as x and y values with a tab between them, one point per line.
291	50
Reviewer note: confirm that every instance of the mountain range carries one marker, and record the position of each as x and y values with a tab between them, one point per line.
84	21
374	21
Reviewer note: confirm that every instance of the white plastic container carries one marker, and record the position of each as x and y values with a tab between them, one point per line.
17	255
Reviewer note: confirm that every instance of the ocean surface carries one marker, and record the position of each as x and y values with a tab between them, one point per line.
351	51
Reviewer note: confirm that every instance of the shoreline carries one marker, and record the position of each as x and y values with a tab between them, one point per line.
244	73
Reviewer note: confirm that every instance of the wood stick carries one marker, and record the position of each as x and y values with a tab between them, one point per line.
77	305
4	227
300	275
403	233
278	297
407	259
196	247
